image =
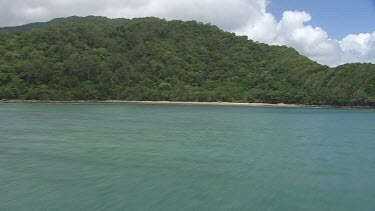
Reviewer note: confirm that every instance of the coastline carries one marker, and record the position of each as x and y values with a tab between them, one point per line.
282	105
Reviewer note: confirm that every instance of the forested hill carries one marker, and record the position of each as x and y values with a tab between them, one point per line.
97	20
96	58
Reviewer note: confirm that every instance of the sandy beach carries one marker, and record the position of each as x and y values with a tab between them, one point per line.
209	103
160	102
181	103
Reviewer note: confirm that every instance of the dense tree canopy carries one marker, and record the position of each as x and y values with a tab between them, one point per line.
96	58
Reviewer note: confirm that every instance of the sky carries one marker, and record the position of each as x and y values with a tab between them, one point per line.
331	32
338	17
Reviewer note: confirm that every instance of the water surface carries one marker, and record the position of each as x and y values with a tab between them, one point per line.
185	157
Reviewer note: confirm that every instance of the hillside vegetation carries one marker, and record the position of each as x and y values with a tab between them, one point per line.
96	58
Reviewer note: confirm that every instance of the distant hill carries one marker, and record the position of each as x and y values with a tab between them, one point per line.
103	21
88	58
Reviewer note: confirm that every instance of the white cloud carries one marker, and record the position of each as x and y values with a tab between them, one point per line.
312	42
248	17
359	48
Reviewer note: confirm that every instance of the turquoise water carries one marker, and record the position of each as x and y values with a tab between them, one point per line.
185	157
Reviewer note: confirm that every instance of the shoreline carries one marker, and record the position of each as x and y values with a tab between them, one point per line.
280	105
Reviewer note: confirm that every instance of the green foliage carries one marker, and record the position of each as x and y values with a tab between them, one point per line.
153	59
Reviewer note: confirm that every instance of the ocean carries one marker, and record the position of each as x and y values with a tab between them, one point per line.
185	157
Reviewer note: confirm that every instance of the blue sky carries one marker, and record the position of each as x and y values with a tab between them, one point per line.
338	17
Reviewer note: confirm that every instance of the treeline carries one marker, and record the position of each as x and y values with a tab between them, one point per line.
96	58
